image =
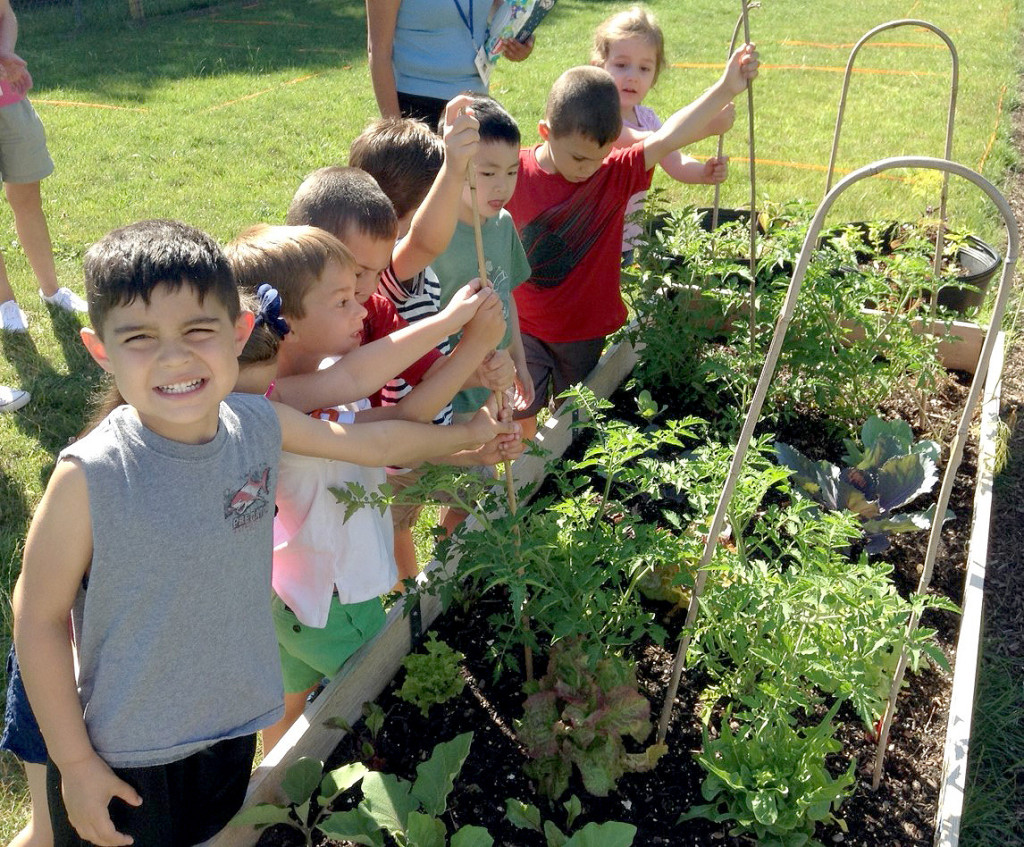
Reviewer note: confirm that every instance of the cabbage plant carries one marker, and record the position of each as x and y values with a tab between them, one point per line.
886	473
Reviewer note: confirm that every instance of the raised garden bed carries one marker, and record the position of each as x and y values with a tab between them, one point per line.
367	677
785	737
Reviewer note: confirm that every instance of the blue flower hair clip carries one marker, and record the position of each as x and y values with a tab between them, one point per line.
269	312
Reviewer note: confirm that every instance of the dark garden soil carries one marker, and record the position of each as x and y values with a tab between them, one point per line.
900	814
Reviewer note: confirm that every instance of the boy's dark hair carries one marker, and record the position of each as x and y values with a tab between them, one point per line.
338	199
496	124
133	260
584	101
403	156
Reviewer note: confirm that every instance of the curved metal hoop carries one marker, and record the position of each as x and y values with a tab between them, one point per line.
768	371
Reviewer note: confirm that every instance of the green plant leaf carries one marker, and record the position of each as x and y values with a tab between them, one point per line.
435	777
387	799
354	825
425	830
553	835
262	814
609	834
764	807
522	815
573	809
302	779
339	780
472	836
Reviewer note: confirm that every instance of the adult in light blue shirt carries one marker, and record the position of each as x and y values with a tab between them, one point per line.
422	53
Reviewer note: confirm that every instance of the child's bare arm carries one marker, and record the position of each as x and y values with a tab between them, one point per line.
690	123
363	371
58	551
434	222
385	442
441	383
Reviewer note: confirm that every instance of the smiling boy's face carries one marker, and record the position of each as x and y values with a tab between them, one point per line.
173	359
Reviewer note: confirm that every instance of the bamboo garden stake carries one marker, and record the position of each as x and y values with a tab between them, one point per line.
500	399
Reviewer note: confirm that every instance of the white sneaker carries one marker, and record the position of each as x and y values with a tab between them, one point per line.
66	299
12	399
12	318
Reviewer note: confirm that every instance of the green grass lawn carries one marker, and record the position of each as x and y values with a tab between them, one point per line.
214	117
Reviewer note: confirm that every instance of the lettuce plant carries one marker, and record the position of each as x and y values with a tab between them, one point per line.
432	677
578	715
888	472
770	779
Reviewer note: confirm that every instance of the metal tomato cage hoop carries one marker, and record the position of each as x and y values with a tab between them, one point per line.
761	390
951	112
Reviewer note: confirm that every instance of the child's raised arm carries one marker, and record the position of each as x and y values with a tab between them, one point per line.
58	551
691	122
384	443
363	371
434	222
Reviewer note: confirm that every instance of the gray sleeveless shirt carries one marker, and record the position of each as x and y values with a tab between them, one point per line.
175	642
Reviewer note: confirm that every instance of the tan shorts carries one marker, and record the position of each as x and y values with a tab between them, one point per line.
404	516
23	154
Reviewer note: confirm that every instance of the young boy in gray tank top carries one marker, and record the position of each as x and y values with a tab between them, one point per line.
163	515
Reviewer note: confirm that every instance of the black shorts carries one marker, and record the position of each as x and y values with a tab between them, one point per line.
430	110
183	803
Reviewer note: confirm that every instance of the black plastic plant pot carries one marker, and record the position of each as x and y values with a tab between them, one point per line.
980	262
726	216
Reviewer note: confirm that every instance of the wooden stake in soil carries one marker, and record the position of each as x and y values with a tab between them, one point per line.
721	138
753	187
500	399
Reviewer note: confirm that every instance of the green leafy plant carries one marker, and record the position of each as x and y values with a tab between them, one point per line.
794	620
432	677
889	472
578	715
607	834
409	812
837	358
770	779
310	793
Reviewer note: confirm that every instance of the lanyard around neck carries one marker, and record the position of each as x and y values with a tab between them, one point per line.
467	16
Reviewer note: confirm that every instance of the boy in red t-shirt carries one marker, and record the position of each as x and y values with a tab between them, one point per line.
569	206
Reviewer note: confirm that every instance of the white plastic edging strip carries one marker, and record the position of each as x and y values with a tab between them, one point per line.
968	650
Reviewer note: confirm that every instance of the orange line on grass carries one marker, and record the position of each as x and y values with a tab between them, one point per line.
995	131
787	42
827	69
90	105
256	94
808	166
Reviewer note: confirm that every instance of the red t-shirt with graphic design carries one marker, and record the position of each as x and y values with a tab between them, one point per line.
572	232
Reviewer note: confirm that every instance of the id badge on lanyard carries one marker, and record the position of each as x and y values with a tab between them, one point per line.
483	64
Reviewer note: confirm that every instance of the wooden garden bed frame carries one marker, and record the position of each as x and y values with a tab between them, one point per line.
371	669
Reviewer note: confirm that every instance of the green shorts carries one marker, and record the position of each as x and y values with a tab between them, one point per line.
309	654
